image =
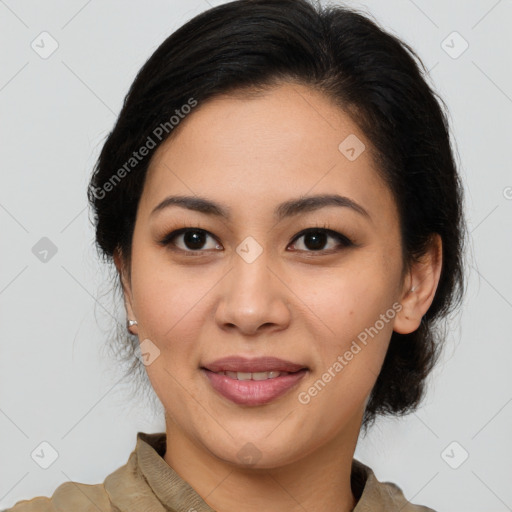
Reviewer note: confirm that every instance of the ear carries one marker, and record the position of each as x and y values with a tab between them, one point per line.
127	292
419	288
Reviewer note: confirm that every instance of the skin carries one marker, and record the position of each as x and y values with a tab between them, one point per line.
293	301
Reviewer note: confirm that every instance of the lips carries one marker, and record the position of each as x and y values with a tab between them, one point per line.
253	392
253	382
256	365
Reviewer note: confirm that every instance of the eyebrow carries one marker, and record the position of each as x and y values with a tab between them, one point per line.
284	210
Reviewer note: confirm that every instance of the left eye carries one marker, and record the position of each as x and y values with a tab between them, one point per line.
315	240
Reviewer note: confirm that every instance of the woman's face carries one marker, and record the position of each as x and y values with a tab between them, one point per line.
249	285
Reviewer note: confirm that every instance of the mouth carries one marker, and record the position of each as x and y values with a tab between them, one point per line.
253	382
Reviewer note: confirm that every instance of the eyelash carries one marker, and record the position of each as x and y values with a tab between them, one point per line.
344	241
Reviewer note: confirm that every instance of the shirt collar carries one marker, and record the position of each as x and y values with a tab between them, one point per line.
174	493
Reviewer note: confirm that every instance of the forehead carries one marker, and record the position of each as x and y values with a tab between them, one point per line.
255	150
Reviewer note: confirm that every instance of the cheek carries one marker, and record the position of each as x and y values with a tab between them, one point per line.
350	314
171	314
357	322
169	305
342	302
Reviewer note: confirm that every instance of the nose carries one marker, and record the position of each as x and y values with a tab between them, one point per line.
254	298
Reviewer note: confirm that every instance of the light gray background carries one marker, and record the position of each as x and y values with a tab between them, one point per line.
57	385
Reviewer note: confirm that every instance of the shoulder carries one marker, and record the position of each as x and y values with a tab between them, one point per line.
68	496
375	495
120	489
397	496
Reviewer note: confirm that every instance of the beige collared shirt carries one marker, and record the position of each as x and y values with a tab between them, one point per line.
147	483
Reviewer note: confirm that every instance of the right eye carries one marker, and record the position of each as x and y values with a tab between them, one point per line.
192	240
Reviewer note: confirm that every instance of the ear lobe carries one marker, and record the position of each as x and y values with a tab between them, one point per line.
127	294
420	288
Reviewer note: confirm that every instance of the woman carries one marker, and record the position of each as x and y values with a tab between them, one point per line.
280	200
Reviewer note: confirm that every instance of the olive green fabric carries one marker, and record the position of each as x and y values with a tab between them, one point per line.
147	483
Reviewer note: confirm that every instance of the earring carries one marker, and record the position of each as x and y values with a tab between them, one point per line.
413	288
130	323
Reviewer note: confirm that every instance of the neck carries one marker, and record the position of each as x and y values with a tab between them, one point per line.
316	482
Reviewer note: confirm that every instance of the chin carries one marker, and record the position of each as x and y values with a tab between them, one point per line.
253	453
